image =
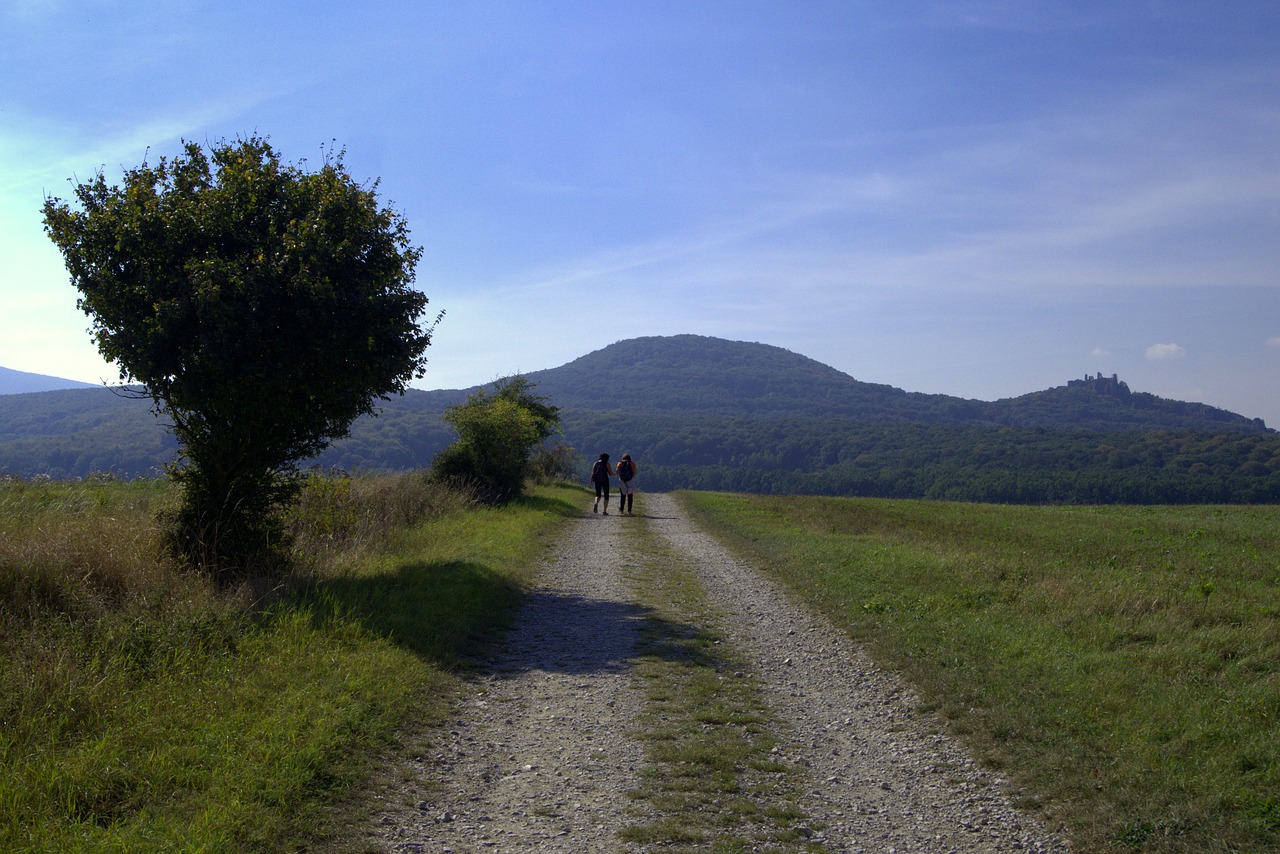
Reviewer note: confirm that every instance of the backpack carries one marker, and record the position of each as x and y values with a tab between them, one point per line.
599	472
625	470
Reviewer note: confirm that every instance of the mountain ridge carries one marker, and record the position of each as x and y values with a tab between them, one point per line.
24	382
759	380
733	376
711	413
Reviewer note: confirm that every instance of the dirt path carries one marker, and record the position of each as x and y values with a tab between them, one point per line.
543	752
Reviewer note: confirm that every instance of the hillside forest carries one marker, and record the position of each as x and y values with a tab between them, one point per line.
704	413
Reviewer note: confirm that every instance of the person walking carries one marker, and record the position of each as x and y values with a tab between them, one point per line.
626	484
601	471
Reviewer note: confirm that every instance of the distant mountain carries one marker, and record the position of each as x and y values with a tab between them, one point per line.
75	432
1106	403
693	375
697	375
710	413
21	382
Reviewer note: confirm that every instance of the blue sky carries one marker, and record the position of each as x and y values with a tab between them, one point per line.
980	198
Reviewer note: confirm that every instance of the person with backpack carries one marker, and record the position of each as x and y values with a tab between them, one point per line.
626	484
601	471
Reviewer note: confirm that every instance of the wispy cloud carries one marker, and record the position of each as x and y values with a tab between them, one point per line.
1164	352
43	155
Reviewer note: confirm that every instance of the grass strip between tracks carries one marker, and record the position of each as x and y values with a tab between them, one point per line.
713	782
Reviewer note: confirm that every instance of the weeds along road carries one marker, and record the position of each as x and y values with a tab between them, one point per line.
658	694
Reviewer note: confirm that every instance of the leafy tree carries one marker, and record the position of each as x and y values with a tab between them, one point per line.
497	431
263	308
553	462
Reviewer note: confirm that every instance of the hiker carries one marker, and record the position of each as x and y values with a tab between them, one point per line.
600	474
626	484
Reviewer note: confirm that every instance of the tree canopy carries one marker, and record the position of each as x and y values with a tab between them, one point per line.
262	306
497	431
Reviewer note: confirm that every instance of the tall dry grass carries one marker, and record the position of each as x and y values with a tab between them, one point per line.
141	707
338	516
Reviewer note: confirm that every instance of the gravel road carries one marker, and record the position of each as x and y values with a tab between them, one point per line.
541	755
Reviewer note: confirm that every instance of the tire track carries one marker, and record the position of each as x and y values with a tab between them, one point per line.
539	757
881	777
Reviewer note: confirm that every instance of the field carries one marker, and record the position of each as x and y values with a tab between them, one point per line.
143	710
1121	664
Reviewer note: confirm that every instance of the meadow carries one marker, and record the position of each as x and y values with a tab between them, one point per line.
142	709
1120	664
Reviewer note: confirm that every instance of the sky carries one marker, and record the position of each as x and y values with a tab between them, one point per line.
981	198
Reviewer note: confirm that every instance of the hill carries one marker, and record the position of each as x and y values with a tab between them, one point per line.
21	382
75	432
700	376
709	413
693	375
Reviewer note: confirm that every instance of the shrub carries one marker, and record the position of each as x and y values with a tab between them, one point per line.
497	431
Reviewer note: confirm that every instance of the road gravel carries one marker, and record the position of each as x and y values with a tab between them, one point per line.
542	752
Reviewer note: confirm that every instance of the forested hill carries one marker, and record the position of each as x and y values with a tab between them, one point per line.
708	413
705	413
710	377
697	375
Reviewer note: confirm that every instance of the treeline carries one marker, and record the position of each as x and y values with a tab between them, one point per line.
1084	408
70	434
952	462
77	433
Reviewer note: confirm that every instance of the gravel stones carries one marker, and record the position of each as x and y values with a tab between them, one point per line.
882	777
541	755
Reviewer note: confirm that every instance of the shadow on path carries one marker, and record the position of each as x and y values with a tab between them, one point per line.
569	633
445	612
577	635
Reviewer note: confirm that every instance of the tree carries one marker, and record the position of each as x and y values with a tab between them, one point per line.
262	307
497	431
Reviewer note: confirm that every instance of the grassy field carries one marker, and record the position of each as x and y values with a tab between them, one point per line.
142	710
1121	664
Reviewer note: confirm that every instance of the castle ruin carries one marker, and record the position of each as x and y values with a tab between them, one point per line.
1111	385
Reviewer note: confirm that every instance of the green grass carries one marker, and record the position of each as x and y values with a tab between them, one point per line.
1122	664
140	709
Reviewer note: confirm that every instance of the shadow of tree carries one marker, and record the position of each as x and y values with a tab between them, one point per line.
557	506
568	633
462	614
449	612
